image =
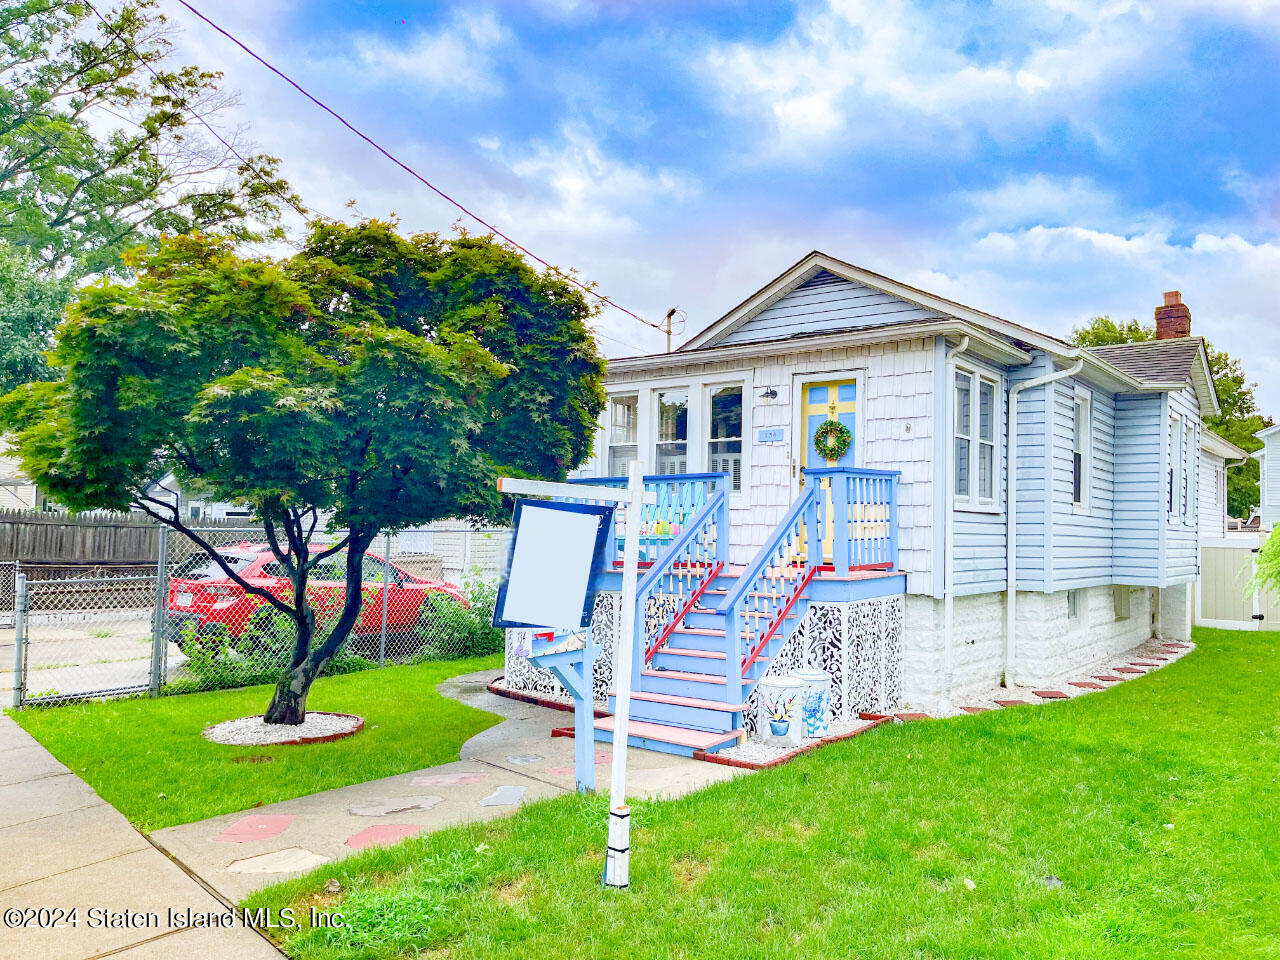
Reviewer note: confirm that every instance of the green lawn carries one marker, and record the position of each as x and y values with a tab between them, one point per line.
147	758
862	849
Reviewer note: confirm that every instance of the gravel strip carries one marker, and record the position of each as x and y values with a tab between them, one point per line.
253	732
755	752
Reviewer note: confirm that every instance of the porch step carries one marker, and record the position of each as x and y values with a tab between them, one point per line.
683	683
694	713
686	701
684	675
667	739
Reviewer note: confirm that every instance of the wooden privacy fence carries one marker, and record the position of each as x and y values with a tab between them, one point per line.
1223	597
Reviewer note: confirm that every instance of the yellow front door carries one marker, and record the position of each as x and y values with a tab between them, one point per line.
819	402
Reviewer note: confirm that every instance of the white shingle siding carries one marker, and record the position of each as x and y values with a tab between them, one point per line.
895	410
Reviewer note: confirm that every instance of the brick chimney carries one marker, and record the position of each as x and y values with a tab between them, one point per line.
1173	320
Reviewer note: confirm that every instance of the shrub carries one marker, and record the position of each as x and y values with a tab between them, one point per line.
450	631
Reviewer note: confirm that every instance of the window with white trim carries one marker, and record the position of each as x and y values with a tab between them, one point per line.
1073	604
1189	472
671	452
724	433
624	425
1175	463
1082	448
974	438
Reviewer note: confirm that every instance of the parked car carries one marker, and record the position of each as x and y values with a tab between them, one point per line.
207	607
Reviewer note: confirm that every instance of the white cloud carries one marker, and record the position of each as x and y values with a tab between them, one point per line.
867	69
1039	199
457	57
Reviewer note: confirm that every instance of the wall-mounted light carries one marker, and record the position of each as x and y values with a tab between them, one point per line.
769	394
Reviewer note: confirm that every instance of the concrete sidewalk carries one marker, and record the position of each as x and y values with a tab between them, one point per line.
501	769
62	847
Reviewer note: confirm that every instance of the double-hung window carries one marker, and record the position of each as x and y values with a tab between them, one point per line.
724	444
671	453
1189	462
974	438
1175	465
624	424
1081	449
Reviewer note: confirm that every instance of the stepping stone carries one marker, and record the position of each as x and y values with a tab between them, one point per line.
449	779
385	805
1156	656
1012	703
1051	694
559	771
975	709
288	860
382	835
256	826
1179	646
504	796
1129	670
526	759
1141	663
1107	678
908	717
1086	685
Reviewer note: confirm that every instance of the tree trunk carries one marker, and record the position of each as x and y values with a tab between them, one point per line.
289	703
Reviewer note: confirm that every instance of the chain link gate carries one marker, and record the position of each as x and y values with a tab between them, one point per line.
182	625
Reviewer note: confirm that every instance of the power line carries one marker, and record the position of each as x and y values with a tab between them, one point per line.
302	211
414	173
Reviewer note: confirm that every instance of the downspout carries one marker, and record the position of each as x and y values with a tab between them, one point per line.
1011	512
949	533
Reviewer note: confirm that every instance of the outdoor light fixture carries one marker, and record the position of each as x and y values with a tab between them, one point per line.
769	394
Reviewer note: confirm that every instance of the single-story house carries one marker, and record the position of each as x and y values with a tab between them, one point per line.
916	496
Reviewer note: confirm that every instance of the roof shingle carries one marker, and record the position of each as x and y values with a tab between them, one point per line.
1153	361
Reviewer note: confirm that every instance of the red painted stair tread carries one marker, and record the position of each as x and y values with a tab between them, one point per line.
673	700
682	675
697	739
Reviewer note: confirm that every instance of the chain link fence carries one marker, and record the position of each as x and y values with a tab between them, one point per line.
181	624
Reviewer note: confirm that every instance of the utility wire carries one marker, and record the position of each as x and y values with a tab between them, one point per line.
308	216
414	173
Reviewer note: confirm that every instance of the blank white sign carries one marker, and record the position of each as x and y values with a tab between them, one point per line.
550	567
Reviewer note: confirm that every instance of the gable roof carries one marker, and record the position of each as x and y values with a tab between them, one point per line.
1174	360
1220	446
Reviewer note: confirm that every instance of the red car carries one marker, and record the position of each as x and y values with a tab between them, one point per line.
205	602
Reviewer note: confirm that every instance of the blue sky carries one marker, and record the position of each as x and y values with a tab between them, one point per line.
1045	161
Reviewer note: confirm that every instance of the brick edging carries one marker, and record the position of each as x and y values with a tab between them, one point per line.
534	699
301	741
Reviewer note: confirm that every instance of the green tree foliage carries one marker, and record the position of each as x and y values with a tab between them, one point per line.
30	307
1238	420
97	154
374	379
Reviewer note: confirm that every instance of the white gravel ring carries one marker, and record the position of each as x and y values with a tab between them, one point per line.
254	732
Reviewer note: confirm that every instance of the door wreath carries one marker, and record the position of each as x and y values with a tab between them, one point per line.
832	439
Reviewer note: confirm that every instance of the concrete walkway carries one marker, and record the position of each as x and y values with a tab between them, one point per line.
501	769
63	847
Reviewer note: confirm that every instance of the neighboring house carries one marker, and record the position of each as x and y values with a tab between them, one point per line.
1269	480
922	522
16	491
193	508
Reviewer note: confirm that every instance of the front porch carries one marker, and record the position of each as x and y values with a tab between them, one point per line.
825	591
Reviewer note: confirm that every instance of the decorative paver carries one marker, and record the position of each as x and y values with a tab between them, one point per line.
288	860
1178	646
256	826
383	806
526	759
1051	694
1086	685
1012	703
504	796
603	756
1107	678
975	709
559	771
449	779
1129	670
907	717
383	835
1142	663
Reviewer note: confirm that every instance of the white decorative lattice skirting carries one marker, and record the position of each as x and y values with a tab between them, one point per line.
524	676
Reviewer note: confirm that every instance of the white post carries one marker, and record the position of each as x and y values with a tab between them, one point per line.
617	869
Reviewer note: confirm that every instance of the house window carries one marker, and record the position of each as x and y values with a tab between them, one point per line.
623	432
1081	449
975	438
1120	599
1219	484
1175	462
1073	604
671	453
724	448
1189	472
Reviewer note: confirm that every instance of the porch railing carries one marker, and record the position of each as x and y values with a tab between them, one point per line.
845	519
681	497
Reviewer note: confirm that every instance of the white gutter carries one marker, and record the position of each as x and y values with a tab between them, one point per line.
948	523
1011	512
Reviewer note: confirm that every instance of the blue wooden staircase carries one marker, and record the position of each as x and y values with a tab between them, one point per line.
700	662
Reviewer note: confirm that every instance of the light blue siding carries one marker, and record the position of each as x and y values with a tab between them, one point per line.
1033	455
824	303
1181	536
1139	489
1080	555
980	535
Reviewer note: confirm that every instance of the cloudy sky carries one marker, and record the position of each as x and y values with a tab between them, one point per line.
1045	161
